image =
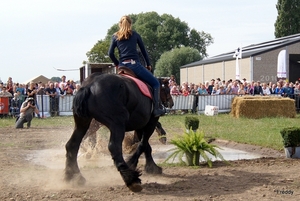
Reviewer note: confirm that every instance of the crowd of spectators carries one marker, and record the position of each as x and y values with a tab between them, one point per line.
18	92
236	87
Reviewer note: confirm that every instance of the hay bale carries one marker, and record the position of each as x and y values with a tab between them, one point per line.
263	106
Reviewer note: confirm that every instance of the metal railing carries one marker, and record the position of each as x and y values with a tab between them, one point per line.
191	102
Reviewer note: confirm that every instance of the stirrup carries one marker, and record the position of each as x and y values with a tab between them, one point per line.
159	112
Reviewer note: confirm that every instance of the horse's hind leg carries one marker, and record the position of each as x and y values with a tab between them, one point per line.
130	176
72	171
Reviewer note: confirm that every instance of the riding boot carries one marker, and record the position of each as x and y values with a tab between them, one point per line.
156	100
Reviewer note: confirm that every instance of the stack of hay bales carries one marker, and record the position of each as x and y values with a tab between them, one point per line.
263	106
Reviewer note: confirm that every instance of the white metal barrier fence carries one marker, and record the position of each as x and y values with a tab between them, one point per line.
63	103
198	103
190	102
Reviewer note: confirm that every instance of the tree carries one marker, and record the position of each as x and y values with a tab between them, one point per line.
171	61
98	54
288	19
160	34
55	79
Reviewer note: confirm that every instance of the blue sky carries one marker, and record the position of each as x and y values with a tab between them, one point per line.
39	35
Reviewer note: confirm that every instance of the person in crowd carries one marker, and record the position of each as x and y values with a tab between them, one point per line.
224	83
194	90
31	93
71	85
10	86
288	90
202	90
206	85
175	91
241	90
229	88
249	90
76	89
172	79
4	92
20	88
297	89
216	90
234	88
210	86
245	86
185	90
69	90
219	82
63	84
28	109
266	89
257	90
126	41
41	89
213	91
15	104
1	85
222	90
51	91
74	86
273	89
279	89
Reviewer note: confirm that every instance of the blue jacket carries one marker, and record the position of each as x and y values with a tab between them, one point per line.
127	49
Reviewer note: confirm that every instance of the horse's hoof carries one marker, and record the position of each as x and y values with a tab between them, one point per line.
153	169
135	187
163	140
78	180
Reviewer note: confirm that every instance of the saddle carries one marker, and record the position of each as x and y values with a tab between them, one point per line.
127	72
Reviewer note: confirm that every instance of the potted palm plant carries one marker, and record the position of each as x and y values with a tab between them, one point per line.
193	145
191	123
291	141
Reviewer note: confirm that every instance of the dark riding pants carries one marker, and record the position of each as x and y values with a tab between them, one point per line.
143	74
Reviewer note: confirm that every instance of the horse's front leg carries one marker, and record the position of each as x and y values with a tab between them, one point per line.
130	176
161	133
72	171
145	147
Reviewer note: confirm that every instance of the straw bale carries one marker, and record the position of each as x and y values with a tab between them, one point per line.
263	106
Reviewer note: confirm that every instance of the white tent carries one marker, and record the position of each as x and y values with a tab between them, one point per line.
38	79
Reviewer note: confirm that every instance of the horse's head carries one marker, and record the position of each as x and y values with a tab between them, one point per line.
165	95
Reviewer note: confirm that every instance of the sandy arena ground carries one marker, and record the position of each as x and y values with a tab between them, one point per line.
32	164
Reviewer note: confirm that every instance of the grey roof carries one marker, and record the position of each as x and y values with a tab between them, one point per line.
250	50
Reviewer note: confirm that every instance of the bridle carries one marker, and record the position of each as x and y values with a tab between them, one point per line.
168	98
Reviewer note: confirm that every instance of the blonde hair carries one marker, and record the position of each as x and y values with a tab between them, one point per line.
125	28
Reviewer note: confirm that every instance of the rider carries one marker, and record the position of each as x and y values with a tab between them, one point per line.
126	40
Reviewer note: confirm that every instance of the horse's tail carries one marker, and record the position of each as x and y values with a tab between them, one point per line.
80	105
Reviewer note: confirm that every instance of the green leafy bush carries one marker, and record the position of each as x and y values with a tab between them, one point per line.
191	123
290	136
193	145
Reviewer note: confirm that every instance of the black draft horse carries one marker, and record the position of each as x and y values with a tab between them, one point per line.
116	102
